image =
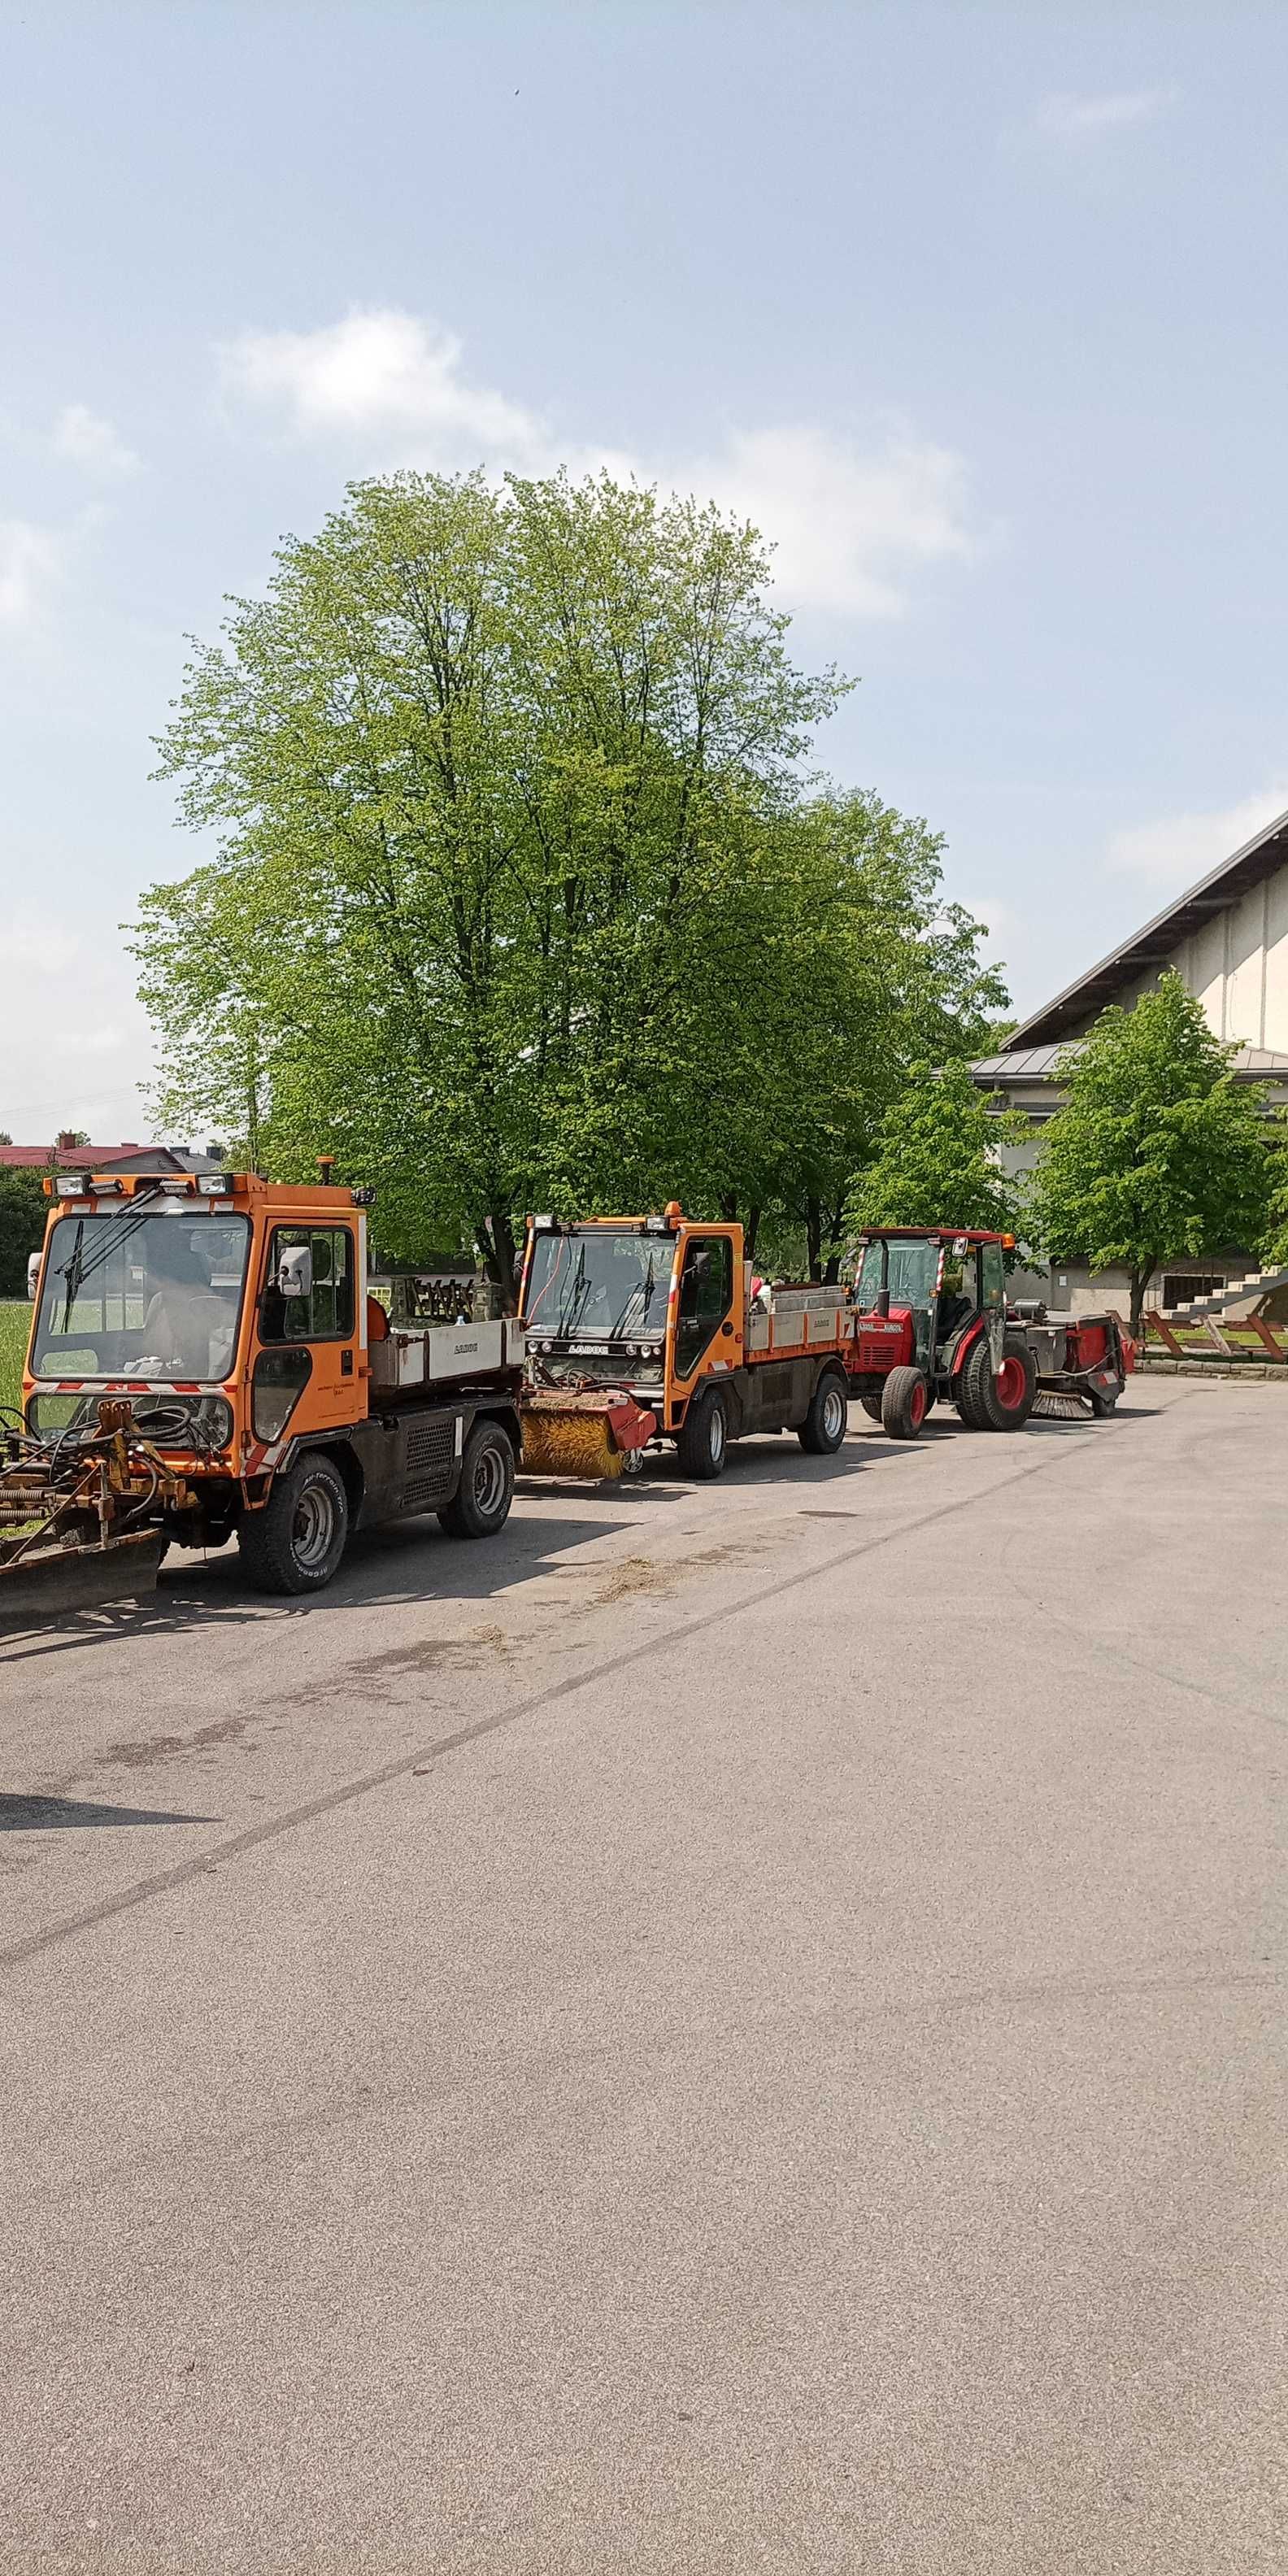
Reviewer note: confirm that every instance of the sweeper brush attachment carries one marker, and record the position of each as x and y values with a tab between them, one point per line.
588	1434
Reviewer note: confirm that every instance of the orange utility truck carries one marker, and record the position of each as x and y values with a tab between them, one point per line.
205	1358
651	1327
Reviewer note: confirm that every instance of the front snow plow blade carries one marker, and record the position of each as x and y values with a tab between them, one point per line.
46	1581
590	1434
81	1517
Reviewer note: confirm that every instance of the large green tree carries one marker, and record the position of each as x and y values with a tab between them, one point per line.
936	1158
23	1210
521	895
1158	1151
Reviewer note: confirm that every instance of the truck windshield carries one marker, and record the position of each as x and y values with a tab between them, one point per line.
141	1296
913	1265
609	1287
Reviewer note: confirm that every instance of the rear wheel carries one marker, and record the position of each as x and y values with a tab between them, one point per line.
481	1503
702	1444
872	1406
296	1542
1011	1392
825	1424
903	1404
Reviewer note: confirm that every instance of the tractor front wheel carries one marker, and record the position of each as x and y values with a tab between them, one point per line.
702	1444
826	1422
903	1403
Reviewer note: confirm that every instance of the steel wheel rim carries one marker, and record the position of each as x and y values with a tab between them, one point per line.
716	1441
313	1528
1010	1385
834	1410
489	1478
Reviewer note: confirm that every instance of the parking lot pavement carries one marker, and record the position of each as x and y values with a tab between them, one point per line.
737	2028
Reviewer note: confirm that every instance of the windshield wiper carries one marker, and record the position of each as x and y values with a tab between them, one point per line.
643	1288
76	1271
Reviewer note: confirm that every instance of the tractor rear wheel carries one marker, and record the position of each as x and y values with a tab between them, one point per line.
903	1403
296	1542
825	1424
702	1444
1000	1400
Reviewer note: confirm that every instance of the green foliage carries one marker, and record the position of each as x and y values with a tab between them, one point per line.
519	897
933	1163
15	1327
1158	1152
23	1209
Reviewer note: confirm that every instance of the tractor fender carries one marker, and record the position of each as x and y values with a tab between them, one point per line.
966	1344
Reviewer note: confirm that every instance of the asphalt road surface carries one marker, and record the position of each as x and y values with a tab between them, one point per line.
738	2028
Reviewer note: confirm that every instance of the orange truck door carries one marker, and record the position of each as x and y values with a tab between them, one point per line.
708	1309
306	1375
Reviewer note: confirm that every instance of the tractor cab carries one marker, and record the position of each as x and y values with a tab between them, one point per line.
931	1300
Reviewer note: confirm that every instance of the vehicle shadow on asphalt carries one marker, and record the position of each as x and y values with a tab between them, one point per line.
21	1814
387	1568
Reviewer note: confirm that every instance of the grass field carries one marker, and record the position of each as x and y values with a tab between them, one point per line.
15	1324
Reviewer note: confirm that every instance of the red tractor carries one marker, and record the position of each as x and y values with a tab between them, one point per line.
932	1324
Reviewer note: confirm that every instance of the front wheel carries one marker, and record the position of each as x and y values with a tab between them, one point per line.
702	1445
903	1403
827	1420
481	1503
296	1542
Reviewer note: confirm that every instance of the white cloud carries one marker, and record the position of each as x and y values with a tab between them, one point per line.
390	389
386	373
844	523
1174	853
87	440
32	563
1072	117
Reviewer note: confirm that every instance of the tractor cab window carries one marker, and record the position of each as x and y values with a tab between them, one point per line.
706	1293
959	1291
323	1313
993	1269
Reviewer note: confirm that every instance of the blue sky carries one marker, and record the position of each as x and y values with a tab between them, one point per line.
976	308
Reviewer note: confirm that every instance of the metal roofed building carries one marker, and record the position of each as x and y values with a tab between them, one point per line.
1227	939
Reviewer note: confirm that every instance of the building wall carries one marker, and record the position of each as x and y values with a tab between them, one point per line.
1237	967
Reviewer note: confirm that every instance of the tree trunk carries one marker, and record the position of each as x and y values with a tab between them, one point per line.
750	1232
1140	1280
833	1270
497	1244
814	1236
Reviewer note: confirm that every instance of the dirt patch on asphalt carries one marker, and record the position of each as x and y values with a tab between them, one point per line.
636	1575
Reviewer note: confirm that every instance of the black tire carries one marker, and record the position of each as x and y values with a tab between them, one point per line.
481	1503
1102	1405
998	1403
903	1404
702	1444
296	1542
827	1421
872	1406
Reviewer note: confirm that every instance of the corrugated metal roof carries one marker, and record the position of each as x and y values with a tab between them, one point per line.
1037	1064
1080	1002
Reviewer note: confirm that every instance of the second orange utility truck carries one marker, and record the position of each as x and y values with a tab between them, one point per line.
654	1327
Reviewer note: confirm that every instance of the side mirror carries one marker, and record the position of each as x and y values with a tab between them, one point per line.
295	1271
33	1272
